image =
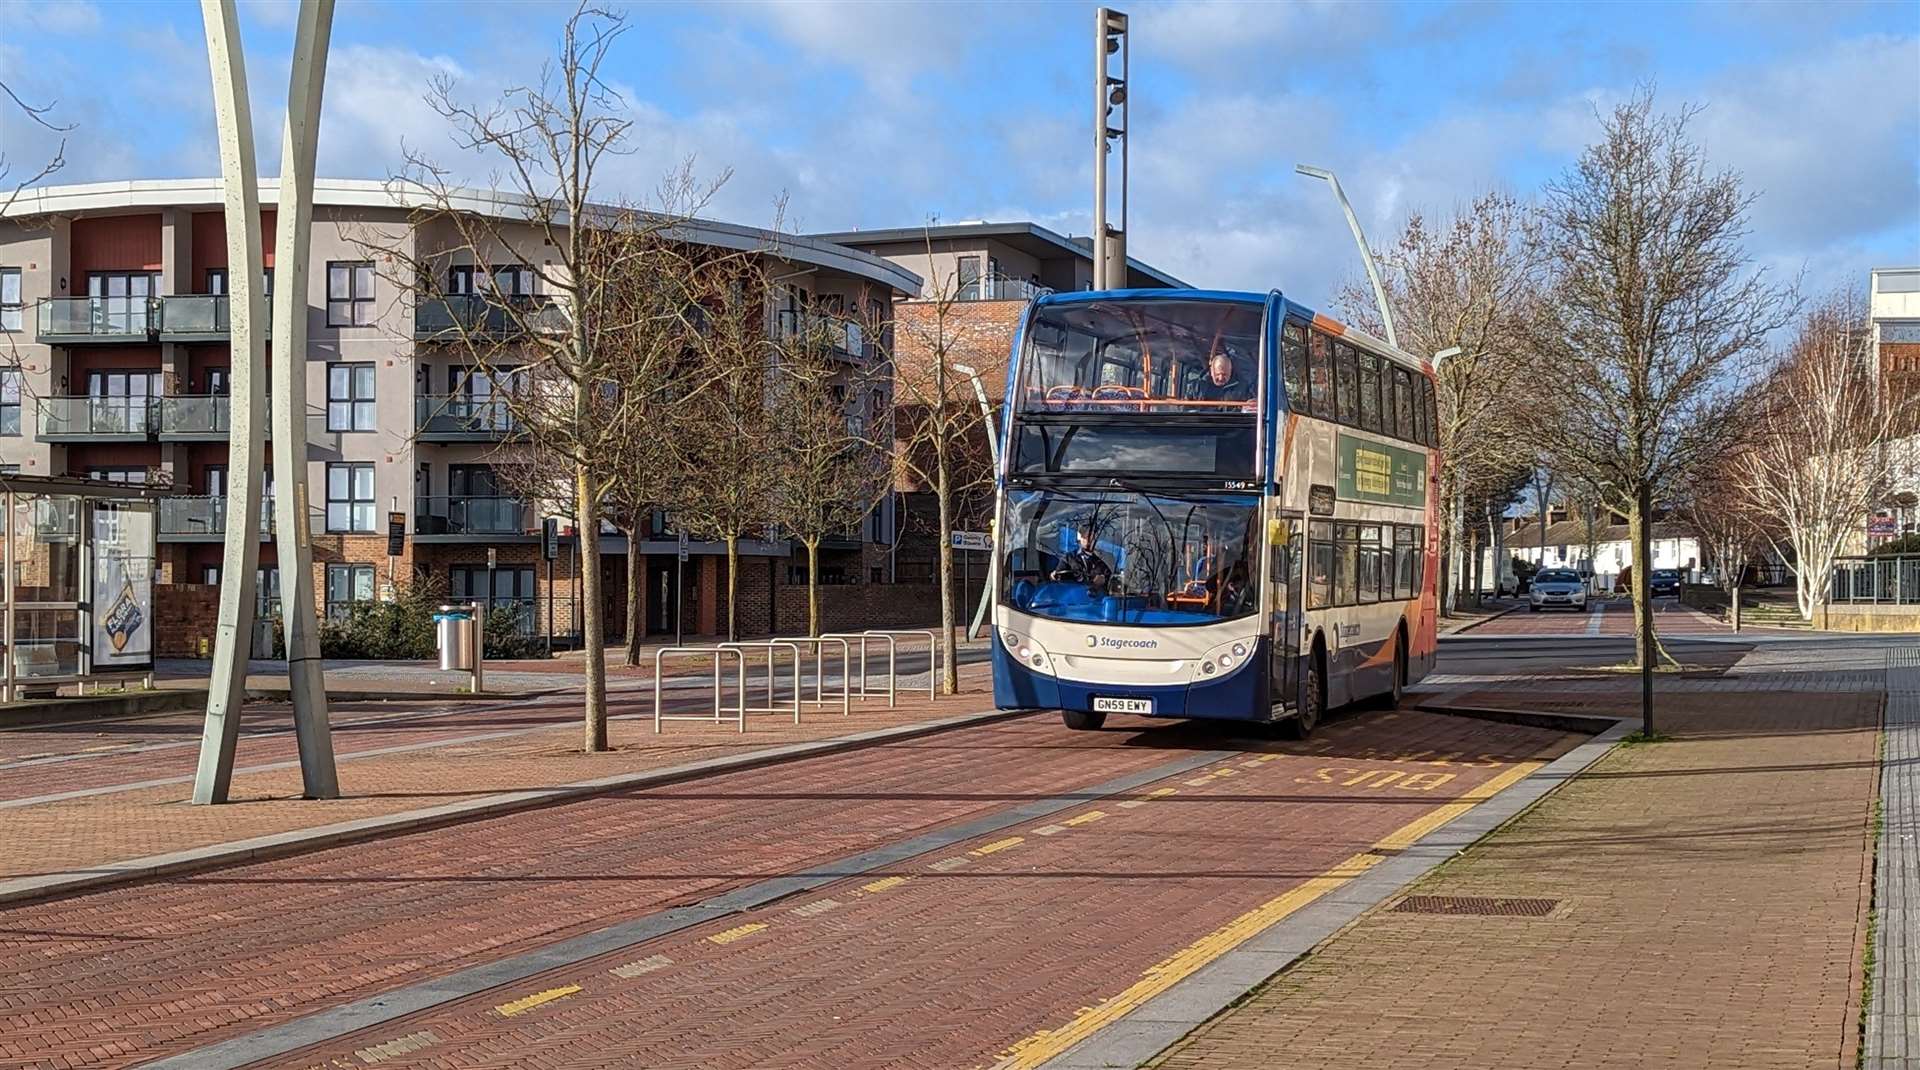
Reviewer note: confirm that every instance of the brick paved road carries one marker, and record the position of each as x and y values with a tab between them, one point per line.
932	962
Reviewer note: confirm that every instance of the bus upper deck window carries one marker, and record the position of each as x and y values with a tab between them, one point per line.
1346	384
1320	369
1293	362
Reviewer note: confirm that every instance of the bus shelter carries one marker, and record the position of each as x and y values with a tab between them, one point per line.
79	557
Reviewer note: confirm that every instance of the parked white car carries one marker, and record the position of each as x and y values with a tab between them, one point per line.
1557	588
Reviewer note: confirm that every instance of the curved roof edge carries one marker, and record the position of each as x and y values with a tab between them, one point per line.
365	193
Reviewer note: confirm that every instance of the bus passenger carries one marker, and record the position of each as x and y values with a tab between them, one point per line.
1223	381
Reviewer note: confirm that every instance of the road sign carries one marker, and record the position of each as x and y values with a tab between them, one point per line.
683	546
549	538
1882	525
971	540
396	534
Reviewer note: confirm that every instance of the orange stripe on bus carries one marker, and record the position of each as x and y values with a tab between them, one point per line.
1333	327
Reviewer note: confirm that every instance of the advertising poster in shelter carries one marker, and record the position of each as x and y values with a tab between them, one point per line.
123	561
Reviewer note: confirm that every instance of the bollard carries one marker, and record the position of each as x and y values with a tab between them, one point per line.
1736	608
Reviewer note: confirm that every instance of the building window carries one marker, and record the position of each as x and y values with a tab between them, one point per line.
10	302
120	300
511	591
210	575
1889	332
217	281
350	397
512	280
125	474
10	401
967	279
266	591
349	293
347	584
350	498
218	382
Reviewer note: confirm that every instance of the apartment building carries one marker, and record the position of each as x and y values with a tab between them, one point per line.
979	278
114	323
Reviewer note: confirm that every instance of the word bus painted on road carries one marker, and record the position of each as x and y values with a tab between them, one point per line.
1210	504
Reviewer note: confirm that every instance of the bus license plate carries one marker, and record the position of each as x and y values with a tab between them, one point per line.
1122	705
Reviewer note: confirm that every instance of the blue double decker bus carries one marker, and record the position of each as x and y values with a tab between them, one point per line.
1210	505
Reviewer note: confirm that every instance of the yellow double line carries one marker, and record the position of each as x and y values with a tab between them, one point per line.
1047	1043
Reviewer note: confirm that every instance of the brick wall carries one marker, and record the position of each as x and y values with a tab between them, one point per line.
184	615
856	607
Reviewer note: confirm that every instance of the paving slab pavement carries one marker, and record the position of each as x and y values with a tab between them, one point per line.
1698	902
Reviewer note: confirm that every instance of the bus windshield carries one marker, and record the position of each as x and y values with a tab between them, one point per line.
1126	557
1142	355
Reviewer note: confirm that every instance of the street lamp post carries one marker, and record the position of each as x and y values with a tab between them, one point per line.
1456	504
1366	251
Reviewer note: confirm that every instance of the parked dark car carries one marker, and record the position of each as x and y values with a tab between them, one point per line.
1664	581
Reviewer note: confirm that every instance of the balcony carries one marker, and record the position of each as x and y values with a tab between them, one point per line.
97	419
453	317
1000	288
106	320
463	418
844	338
203	518
471	516
195	318
194	419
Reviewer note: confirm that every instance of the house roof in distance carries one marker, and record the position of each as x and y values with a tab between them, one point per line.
1030	238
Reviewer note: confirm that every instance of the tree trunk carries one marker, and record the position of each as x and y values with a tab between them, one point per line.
733	587
635	578
1450	554
813	585
949	675
1543	530
1640	526
594	639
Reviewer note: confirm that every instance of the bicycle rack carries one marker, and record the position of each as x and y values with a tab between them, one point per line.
719	654
892	660
933	653
773	648
819	643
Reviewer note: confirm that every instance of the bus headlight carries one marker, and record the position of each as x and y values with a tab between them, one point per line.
1225	658
1026	651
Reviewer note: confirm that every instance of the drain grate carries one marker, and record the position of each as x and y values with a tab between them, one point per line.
1476	904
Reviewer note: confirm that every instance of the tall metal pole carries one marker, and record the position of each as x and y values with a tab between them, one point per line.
1366	251
293	543
993	451
233	117
1109	92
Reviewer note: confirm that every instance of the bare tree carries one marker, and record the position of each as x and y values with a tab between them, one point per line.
939	436
1731	529
1822	451
552	268
726	469
1654	313
1469	282
38	115
1542	484
832	469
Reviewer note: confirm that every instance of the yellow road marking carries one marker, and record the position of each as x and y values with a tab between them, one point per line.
1047	1043
1161	793
1087	818
999	845
738	932
1268	758
1199	780
884	883
1225	772
527	1003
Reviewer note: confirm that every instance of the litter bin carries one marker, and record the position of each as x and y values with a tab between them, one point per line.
455	628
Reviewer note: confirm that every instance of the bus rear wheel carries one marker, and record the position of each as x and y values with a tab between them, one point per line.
1083	720
1301	724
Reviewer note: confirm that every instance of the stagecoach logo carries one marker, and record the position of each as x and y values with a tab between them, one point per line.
1110	643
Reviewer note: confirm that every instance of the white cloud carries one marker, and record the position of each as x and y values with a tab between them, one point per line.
54	16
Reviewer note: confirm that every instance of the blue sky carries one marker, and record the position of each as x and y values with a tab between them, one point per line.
884	114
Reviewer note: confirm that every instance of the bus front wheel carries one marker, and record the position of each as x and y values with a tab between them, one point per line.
1083	720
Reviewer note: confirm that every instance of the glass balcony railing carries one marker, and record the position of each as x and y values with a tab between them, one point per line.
204	515
195	314
193	416
449	317
471	515
468	416
97	416
1000	288
104	318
